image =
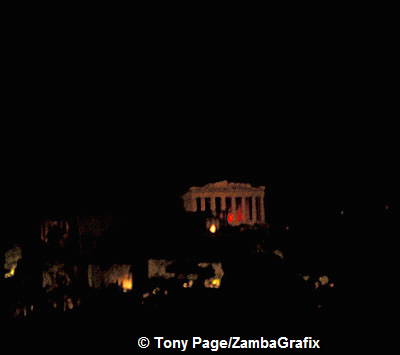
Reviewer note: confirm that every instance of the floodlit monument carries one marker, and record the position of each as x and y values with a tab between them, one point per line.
236	203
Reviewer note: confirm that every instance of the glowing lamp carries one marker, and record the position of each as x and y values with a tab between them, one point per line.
216	282
213	228
127	285
11	273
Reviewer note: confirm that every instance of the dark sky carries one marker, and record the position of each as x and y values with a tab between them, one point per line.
300	164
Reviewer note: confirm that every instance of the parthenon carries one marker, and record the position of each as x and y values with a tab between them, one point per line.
239	203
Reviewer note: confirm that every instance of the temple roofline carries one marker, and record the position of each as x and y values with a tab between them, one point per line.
226	186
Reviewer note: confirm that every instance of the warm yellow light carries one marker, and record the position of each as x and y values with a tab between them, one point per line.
216	282
10	274
127	285
324	280
213	228
188	284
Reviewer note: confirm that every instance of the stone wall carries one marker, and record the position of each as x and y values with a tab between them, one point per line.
116	274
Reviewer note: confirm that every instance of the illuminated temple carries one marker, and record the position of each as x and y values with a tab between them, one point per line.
236	203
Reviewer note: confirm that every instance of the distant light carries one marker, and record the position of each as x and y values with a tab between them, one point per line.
287	228
127	284
188	284
216	282
277	252
230	217
212	283
156	290
342	212
323	280
11	273
213	228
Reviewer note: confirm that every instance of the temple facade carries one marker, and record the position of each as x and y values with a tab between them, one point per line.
237	203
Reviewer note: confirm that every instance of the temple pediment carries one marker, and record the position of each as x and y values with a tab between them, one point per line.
226	186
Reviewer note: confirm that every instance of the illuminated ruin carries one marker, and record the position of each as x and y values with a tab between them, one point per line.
236	203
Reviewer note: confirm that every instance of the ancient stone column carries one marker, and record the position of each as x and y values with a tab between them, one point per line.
244	211
223	203
213	208
233	204
253	204
203	203
262	212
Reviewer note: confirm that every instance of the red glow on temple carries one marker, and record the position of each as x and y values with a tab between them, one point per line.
239	215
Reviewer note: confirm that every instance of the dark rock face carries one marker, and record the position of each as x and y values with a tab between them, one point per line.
11	258
95	226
